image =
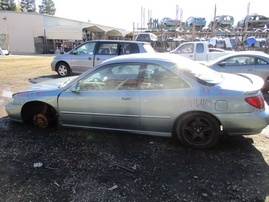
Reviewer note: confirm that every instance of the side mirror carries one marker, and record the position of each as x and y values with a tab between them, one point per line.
75	88
222	64
74	52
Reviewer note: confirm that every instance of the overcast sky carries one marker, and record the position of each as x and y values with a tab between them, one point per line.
123	13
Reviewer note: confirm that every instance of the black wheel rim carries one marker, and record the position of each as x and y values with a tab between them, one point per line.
198	131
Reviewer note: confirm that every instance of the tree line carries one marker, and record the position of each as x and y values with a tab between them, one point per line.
46	7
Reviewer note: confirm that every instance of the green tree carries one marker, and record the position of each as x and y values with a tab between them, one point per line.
47	7
28	5
8	5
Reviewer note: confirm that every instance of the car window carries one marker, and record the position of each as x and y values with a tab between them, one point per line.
129	48
240	60
86	48
142	37
122	76
261	62
107	49
158	77
200	48
186	48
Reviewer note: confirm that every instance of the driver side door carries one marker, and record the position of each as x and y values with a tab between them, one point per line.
107	98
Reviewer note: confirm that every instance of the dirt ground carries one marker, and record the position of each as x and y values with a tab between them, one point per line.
63	164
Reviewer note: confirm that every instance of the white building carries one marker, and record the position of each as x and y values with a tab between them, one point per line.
29	33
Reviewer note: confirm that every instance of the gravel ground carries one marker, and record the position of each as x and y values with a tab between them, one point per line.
65	164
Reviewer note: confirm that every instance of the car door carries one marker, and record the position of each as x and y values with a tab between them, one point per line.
82	57
106	98
186	50
160	90
237	64
106	50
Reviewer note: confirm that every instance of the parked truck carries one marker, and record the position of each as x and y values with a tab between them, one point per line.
198	51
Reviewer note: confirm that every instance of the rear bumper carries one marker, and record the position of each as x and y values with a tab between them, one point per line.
245	124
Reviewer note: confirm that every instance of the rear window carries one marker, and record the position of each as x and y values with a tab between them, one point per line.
200	48
202	74
142	37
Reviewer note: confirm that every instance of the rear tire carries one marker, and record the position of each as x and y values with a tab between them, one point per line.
198	130
63	69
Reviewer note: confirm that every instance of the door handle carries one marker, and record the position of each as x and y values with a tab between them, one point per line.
127	98
90	58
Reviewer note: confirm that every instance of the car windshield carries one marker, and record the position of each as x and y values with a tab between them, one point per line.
212	62
67	81
201	73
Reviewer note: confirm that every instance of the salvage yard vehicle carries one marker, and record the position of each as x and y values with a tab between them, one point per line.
254	21
168	22
92	53
252	62
221	21
198	51
153	94
198	22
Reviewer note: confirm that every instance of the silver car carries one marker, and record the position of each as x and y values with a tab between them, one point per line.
92	53
153	94
221	21
197	21
253	62
167	22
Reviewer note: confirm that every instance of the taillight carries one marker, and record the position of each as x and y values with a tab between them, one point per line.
256	101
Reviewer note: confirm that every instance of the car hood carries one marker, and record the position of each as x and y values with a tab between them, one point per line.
248	83
50	84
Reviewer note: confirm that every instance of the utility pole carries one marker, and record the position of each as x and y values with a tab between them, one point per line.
214	22
246	21
142	18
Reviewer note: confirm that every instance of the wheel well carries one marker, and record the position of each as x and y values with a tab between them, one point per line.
31	109
186	114
62	62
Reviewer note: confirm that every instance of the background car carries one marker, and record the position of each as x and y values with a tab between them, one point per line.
148	37
168	22
94	52
254	62
153	94
254	21
199	22
4	51
221	21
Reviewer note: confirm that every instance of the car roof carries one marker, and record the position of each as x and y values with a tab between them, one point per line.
151	57
254	53
241	53
121	41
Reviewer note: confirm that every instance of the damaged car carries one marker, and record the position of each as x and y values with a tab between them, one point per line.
254	21
157	94
221	21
